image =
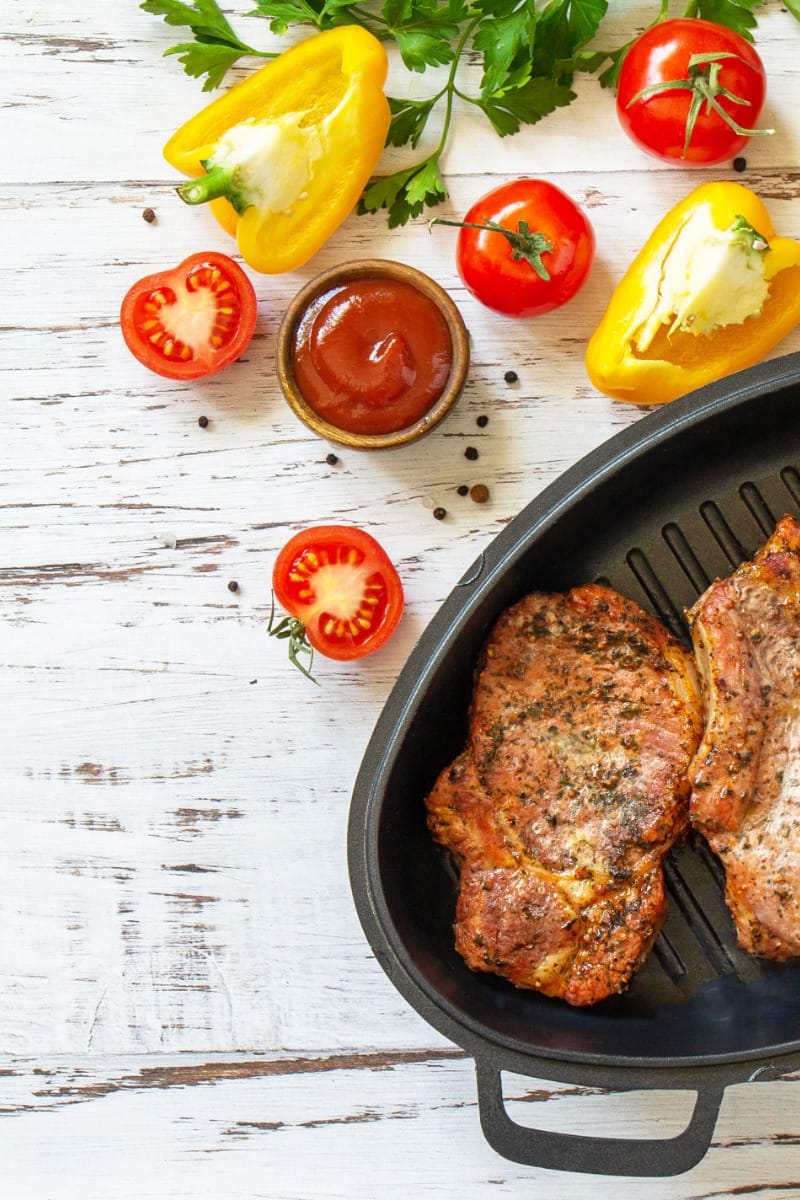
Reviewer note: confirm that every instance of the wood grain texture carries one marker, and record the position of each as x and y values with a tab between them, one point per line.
189	1007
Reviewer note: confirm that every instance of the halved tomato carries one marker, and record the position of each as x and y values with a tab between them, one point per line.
192	320
340	584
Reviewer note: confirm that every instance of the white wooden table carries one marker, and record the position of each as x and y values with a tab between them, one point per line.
188	1006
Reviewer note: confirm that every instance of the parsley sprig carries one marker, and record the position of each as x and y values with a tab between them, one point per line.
215	47
528	51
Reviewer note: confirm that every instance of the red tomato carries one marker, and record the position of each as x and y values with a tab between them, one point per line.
492	263
192	320
343	587
695	122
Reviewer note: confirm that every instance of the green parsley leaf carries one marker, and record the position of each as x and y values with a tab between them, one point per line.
284	13
420	50
409	118
501	39
424	30
215	48
210	59
425	187
405	193
735	14
323	14
529	51
610	76
562	28
204	17
525	105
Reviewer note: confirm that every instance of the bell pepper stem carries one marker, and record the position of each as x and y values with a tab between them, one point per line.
216	182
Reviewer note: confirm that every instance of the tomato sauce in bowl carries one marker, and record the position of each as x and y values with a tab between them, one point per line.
372	353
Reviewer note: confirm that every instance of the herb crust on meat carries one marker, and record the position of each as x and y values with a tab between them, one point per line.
746	775
571	789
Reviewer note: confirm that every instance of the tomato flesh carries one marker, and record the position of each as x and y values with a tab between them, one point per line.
511	286
657	122
344	588
190	321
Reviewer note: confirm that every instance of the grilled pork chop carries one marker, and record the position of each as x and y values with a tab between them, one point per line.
571	789
746	775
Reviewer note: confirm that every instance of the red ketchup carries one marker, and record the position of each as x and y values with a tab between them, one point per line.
372	356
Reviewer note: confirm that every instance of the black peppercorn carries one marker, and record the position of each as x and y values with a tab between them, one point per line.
202	422
511	377
233	586
331	459
740	164
471	453
440	513
462	489
482	422
149	216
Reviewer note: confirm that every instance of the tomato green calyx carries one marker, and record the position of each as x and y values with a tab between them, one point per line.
527	245
293	630
703	82
746	235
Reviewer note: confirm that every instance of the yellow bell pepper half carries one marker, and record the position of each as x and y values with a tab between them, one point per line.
283	156
712	290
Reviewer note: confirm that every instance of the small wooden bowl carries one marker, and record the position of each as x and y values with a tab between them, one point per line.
376	268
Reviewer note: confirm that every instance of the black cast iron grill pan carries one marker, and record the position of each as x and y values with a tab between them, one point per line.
658	512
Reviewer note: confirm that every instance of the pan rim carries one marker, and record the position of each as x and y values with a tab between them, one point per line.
539	515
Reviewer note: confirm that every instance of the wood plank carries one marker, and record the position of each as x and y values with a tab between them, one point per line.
189	1005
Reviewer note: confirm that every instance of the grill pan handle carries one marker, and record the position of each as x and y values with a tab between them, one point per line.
595	1156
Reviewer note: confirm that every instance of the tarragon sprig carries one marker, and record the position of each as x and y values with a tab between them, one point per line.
293	631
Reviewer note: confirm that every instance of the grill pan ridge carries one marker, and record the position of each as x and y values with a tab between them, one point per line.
658	512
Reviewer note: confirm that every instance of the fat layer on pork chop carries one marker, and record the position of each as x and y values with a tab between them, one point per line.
746	775
571	789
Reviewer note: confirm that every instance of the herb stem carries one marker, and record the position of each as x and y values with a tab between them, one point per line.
450	86
529	53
